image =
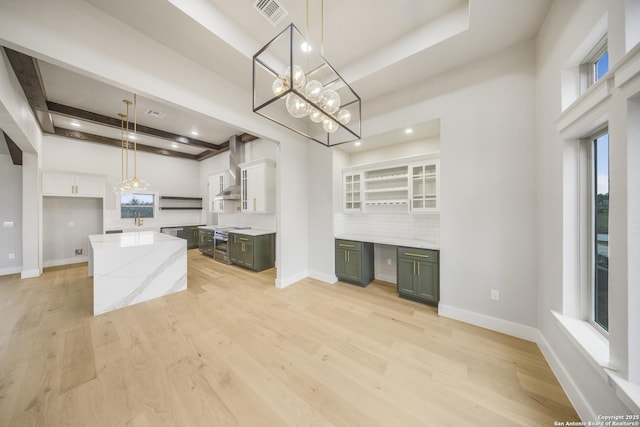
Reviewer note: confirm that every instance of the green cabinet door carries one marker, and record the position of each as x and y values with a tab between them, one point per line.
255	252
427	281
406	270
354	262
418	274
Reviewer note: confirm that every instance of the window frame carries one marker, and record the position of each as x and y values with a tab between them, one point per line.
588	307
587	68
142	193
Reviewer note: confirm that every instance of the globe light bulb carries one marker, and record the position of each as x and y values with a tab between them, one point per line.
315	115
330	101
298	78
278	87
329	125
296	106
313	91
344	116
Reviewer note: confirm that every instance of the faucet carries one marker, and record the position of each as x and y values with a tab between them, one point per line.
139	221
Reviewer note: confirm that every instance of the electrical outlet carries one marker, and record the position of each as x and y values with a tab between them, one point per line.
388	261
12	256
7	224
495	295
78	251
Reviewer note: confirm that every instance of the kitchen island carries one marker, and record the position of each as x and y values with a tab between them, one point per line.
129	268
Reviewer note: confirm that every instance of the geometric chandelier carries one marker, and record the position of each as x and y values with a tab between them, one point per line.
294	86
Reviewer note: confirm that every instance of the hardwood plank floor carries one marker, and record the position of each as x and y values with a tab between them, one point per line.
233	350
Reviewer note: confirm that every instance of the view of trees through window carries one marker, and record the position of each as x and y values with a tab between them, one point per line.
137	206
601	232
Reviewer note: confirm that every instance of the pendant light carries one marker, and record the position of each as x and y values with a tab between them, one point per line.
126	185
294	86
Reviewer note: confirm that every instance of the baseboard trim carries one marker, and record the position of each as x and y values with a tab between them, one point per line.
288	281
577	399
27	274
488	322
386	278
68	261
10	270
323	277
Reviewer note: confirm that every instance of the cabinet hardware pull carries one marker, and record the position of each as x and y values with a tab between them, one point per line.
414	268
418	268
243	238
342	245
254	203
345	256
418	255
348	256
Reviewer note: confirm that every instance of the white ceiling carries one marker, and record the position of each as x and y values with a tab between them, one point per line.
378	46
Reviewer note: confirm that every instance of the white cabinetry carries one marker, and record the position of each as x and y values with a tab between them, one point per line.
352	192
257	186
72	184
406	185
386	188
217	183
425	186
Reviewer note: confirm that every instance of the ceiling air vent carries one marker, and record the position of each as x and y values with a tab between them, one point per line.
271	9
154	113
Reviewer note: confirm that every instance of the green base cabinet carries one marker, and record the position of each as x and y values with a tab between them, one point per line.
256	253
418	274
205	242
354	262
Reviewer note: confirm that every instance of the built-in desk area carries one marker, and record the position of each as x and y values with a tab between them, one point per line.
417	264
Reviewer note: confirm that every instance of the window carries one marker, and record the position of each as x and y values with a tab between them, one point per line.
600	220
594	65
137	206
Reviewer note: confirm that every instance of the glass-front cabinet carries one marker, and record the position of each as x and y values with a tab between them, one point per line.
425	186
352	192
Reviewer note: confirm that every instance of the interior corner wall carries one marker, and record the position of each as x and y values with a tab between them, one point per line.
565	27
292	196
320	182
488	184
10	212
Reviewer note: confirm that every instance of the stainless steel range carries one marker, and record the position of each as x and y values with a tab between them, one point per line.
221	243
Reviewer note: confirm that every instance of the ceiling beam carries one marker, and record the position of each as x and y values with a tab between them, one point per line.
28	73
77	113
14	150
88	137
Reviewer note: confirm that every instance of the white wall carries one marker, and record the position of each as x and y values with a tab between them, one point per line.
488	178
66	224
10	211
395	151
168	176
566	26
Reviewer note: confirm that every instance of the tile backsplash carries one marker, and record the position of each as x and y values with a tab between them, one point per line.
423	227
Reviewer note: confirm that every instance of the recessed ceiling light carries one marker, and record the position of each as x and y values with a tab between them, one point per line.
76	124
132	136
194	132
306	47
357	143
408	131
174	145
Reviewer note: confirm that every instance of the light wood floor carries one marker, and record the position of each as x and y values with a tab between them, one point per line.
233	350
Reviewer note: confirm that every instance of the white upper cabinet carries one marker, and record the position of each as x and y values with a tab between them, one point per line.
217	183
257	186
352	192
424	186
408	185
72	184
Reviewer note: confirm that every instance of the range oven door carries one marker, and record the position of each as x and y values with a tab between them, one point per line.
221	248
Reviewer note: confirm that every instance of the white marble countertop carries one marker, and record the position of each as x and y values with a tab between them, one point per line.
124	240
391	241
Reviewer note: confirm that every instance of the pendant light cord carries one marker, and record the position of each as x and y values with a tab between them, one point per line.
135	137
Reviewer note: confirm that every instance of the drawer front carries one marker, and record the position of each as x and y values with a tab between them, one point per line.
418	254
349	245
207	233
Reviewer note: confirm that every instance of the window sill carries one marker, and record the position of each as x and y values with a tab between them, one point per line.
595	348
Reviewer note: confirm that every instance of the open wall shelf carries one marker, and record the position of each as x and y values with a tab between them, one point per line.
180	203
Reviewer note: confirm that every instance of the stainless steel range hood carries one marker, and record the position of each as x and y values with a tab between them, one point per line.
232	192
